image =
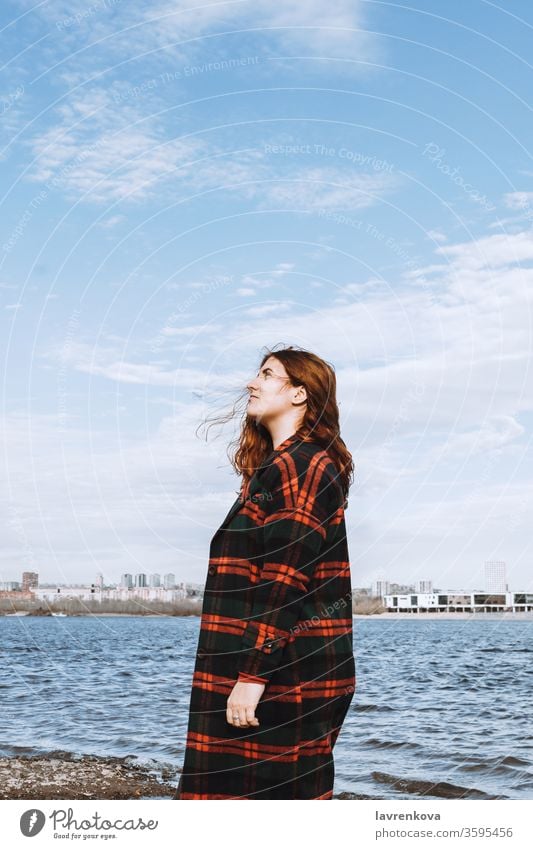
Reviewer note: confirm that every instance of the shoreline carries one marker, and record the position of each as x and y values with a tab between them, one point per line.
62	775
99	615
496	617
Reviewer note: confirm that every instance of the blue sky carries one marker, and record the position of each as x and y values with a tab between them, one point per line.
184	183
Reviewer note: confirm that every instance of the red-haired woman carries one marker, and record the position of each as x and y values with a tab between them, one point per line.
274	671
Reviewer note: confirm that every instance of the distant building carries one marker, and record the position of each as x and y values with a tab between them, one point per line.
140	580
457	601
9	586
424	586
56	593
169	580
194	590
99	582
119	594
126	580
401	588
155	580
495	581
30	581
380	588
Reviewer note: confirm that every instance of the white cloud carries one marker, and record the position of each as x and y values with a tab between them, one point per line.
267	309
74	502
315	26
107	154
109	361
437	235
124	29
283	268
191	330
495	433
518	200
255	282
110	154
323	188
435	392
112	221
491	252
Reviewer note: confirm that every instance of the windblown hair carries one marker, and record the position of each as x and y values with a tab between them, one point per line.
319	423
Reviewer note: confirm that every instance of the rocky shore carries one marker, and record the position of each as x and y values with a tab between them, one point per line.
62	775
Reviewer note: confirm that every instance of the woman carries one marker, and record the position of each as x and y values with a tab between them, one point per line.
274	672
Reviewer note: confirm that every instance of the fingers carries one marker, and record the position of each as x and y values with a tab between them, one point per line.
241	716
242	703
236	716
250	716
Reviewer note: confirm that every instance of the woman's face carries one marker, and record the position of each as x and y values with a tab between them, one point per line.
270	392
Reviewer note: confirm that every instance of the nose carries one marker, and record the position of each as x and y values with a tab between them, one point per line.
251	385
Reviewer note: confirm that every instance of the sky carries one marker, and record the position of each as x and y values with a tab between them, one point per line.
184	184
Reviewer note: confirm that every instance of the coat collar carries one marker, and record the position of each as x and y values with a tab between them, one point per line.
254	484
286	442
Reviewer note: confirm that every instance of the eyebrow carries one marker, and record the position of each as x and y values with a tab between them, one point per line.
266	369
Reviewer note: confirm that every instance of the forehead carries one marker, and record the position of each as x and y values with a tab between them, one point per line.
274	365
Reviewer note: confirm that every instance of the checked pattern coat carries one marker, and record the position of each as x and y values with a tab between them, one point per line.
277	609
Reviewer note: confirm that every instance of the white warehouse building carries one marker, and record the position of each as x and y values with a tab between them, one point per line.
120	594
459	602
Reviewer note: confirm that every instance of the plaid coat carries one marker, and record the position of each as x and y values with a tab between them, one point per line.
277	609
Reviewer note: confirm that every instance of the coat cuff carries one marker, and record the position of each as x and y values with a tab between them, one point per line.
251	679
262	649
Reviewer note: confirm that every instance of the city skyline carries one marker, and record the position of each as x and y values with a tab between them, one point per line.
495	582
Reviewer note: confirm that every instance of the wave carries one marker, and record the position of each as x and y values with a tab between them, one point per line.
440	789
391	744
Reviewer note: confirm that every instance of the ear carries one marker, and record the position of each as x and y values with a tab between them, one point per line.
300	395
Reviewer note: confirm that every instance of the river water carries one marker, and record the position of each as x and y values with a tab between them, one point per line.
442	709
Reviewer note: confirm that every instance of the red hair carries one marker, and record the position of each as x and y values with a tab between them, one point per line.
320	422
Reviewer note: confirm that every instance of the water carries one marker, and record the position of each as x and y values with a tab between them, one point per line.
442	708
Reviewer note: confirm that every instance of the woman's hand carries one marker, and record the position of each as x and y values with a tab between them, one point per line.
242	702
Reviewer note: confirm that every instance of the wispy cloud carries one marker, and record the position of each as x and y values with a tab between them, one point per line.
491	252
315	27
518	200
222	118
75	502
109	155
439	389
110	362
472	331
181	27
314	189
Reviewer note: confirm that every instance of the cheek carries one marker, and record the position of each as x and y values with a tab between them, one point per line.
275	401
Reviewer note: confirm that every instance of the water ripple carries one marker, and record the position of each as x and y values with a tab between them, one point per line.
441	709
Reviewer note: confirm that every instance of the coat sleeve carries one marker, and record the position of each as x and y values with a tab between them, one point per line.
293	533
